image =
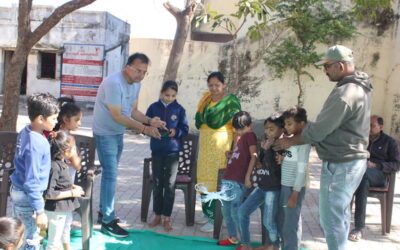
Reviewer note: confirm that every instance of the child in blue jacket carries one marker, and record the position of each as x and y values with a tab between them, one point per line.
32	168
165	152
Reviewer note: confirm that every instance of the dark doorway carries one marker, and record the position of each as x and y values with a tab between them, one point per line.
7	58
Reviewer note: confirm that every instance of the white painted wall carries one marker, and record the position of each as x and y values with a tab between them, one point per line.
391	100
199	58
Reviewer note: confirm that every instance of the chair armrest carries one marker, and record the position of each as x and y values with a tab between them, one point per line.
146	168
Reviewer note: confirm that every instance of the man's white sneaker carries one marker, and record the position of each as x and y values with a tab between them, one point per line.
207	228
201	220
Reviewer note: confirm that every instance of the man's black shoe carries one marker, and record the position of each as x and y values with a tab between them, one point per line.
114	229
100	218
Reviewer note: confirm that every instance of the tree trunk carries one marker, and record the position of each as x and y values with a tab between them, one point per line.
300	96
12	84
183	19
26	40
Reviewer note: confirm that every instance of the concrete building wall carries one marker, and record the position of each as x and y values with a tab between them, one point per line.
41	85
376	55
1	69
391	101
86	27
117	43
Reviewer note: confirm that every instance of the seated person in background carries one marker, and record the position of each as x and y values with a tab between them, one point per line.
384	158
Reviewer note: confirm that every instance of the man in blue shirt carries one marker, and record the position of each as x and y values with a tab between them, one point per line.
115	109
32	163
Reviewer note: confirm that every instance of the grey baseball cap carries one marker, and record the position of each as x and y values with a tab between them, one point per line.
337	53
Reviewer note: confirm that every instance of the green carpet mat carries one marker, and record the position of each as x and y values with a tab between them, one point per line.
146	240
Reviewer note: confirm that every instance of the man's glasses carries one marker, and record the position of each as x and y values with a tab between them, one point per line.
138	71
328	65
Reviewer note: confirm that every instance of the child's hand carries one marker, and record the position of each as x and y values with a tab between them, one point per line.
370	164
247	182
266	144
228	154
283	143
76	187
77	192
41	221
172	132
279	159
292	201
258	164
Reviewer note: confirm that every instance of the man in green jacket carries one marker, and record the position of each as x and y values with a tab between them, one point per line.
340	135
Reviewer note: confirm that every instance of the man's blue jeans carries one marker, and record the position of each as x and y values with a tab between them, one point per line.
270	200
109	149
338	183
230	209
23	211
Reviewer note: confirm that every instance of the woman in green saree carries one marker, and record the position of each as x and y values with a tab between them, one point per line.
214	120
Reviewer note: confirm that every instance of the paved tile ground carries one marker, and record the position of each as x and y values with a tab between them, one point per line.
129	198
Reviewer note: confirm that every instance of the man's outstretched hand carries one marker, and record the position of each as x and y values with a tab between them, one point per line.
281	144
156	122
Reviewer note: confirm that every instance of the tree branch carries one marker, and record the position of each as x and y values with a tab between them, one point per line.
176	12
55	17
189	8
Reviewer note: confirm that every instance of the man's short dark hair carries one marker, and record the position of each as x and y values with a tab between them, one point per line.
241	120
297	113
277	119
142	57
42	104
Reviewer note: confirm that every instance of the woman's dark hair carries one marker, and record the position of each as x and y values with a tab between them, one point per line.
241	120
217	75
58	144
298	113
68	108
277	119
11	231
169	85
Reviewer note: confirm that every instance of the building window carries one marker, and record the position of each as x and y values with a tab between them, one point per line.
47	64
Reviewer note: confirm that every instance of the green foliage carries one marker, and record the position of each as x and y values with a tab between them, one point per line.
311	22
370	9
260	10
288	55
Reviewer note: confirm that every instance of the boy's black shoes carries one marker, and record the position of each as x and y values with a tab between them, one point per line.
114	229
